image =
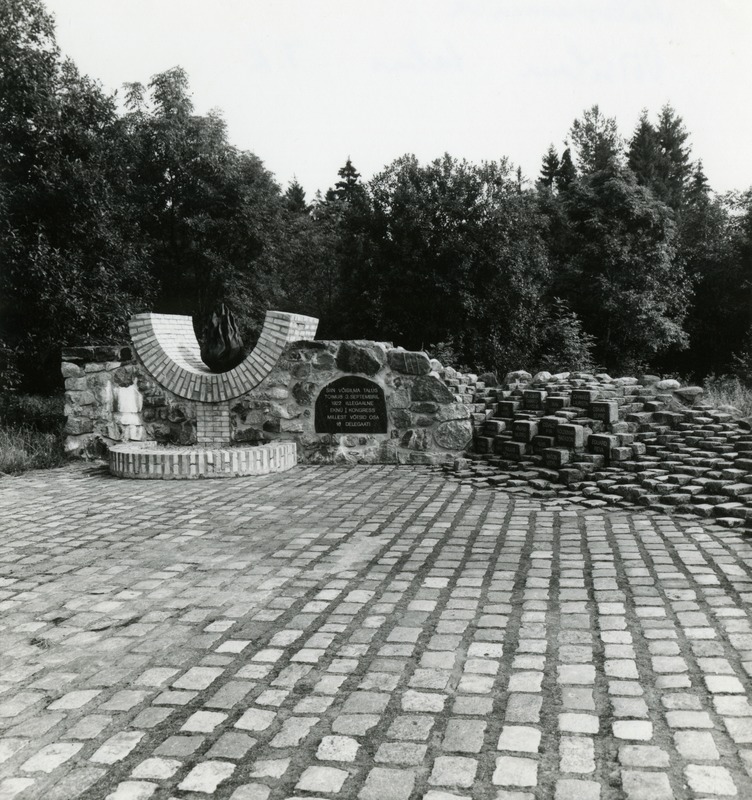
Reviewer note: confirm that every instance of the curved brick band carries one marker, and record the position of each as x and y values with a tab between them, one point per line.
168	348
151	461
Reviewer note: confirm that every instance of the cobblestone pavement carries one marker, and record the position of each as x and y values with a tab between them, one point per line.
376	633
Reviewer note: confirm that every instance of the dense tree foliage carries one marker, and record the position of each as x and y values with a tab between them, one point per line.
620	256
621	271
457	254
596	140
74	265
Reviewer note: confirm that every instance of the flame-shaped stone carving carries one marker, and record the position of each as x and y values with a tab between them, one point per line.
222	349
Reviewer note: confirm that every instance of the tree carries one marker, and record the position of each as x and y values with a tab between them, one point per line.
549	167
567	172
644	154
565	345
213	216
458	257
621	272
346	216
309	257
295	199
659	156
597	141
698	189
348	187
674	168
72	259
29	67
717	318
741	255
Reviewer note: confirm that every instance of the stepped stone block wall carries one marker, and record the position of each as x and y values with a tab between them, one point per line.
601	441
429	418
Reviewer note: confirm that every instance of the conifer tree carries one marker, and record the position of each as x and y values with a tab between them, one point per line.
698	188
295	199
549	167
675	168
348	185
644	154
567	172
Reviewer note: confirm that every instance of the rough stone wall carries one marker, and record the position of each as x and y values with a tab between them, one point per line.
430	410
428	420
93	376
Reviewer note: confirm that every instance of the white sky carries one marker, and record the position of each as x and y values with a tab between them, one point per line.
306	83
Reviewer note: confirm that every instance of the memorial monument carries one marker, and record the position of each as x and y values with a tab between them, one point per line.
292	398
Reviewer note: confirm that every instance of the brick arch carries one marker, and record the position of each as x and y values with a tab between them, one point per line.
167	346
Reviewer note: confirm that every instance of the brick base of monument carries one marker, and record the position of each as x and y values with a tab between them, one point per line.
148	460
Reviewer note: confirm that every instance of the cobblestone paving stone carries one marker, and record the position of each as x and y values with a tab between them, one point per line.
376	633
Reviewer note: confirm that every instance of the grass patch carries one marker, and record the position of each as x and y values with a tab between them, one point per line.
727	391
31	429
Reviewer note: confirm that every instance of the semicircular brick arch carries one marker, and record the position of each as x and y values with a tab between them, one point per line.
167	346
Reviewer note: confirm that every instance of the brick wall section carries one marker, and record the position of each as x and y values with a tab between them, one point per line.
167	346
213	424
152	462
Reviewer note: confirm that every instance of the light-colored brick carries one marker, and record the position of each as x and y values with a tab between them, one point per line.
453	771
514	771
337	748
704	779
327	780
641	785
206	776
51	757
384	783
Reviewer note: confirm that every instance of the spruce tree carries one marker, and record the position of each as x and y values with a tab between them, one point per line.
295	198
549	167
698	188
644	154
567	172
348	185
674	168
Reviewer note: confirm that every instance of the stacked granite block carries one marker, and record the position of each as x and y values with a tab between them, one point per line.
605	441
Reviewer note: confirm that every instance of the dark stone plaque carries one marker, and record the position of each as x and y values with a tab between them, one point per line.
351	405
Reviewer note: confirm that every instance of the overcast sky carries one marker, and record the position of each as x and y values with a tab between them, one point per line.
306	83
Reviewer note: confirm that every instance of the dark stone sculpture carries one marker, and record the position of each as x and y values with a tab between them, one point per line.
222	347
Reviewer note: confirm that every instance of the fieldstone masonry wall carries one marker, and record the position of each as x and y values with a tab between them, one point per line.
92	376
429	418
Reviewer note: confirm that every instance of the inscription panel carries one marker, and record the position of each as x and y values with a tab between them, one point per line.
351	405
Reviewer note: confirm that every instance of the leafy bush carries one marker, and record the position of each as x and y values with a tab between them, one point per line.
36	412
566	345
448	355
